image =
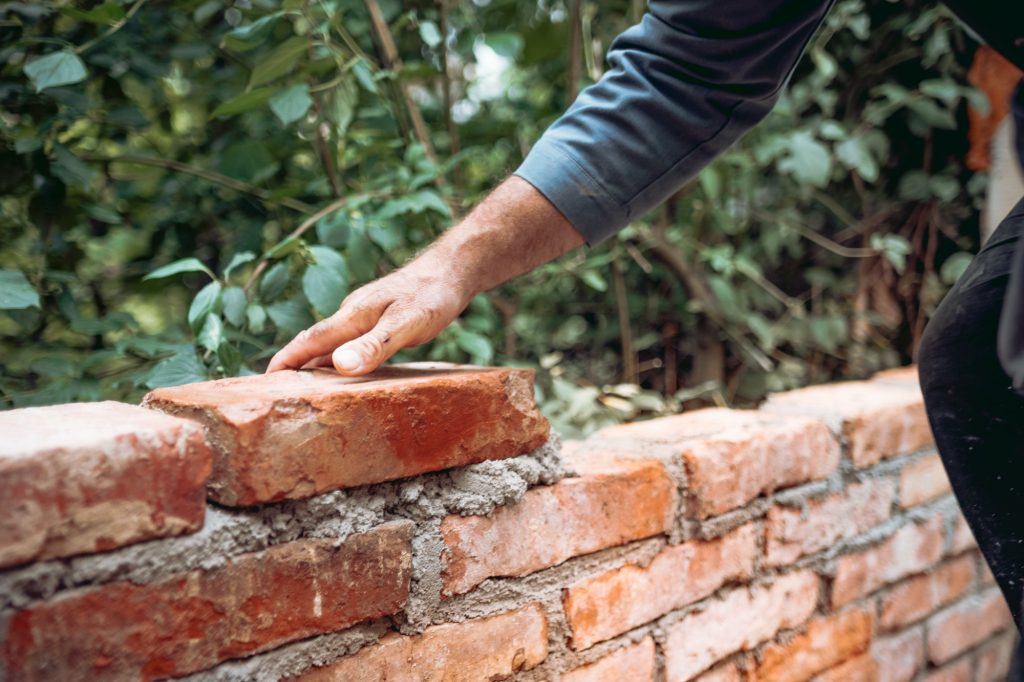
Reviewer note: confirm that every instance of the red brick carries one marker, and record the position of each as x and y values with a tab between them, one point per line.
826	642
860	669
732	456
965	625
877	419
634	663
899	657
909	550
612	503
723	673
294	434
956	672
491	648
618	600
90	477
963	538
993	661
793	532
923	480
193	621
739	621
916	598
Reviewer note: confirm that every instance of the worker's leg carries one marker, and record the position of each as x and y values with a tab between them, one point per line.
976	416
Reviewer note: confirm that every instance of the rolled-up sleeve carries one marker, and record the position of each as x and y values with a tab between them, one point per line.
682	86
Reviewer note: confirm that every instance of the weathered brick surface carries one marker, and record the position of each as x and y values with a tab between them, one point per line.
964	625
90	477
963	538
732	456
877	419
191	622
923	480
723	673
634	663
491	648
954	672
860	669
993	661
911	549
293	434
914	599
741	620
898	375
899	657
620	599
792	532
613	502
824	643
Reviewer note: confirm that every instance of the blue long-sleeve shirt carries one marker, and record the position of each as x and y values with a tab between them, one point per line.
682	86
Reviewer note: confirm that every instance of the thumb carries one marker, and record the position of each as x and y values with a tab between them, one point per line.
368	352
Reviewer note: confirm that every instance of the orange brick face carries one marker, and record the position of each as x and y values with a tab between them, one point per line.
993	662
964	625
613	503
704	637
791	533
860	669
899	657
825	642
954	672
401	421
618	600
189	623
733	456
491	648
911	549
90	477
634	663
914	599
877	419
923	480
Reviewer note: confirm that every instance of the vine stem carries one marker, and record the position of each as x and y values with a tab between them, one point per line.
114	28
212	176
304	227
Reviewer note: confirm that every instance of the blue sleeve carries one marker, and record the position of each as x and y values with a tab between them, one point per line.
682	86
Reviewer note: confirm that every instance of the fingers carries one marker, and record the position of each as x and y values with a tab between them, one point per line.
395	331
326	335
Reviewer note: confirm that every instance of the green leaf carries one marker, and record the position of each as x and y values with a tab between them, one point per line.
179	266
203	304
808	160
340	106
71	169
274	282
285	247
954	267
212	333
183	367
290	316
16	292
362	259
256	316
332	229
430	34
329	258
505	43
594	280
417	202
247	101
363	75
280	62
854	154
238	260
56	68
292	103
324	288
894	247
477	345
251	35
235	303
101	15
249	161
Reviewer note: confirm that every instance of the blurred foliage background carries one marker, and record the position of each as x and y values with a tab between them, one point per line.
186	184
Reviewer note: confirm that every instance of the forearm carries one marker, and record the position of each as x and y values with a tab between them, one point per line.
512	231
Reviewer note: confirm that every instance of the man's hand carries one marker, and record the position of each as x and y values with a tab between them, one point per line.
511	232
406	308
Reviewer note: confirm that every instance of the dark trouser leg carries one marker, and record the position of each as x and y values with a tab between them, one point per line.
976	416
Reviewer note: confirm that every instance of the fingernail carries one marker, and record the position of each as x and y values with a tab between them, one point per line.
347	360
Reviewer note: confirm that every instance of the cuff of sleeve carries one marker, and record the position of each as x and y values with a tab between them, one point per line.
573	191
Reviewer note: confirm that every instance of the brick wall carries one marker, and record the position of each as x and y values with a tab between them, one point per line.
426	526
